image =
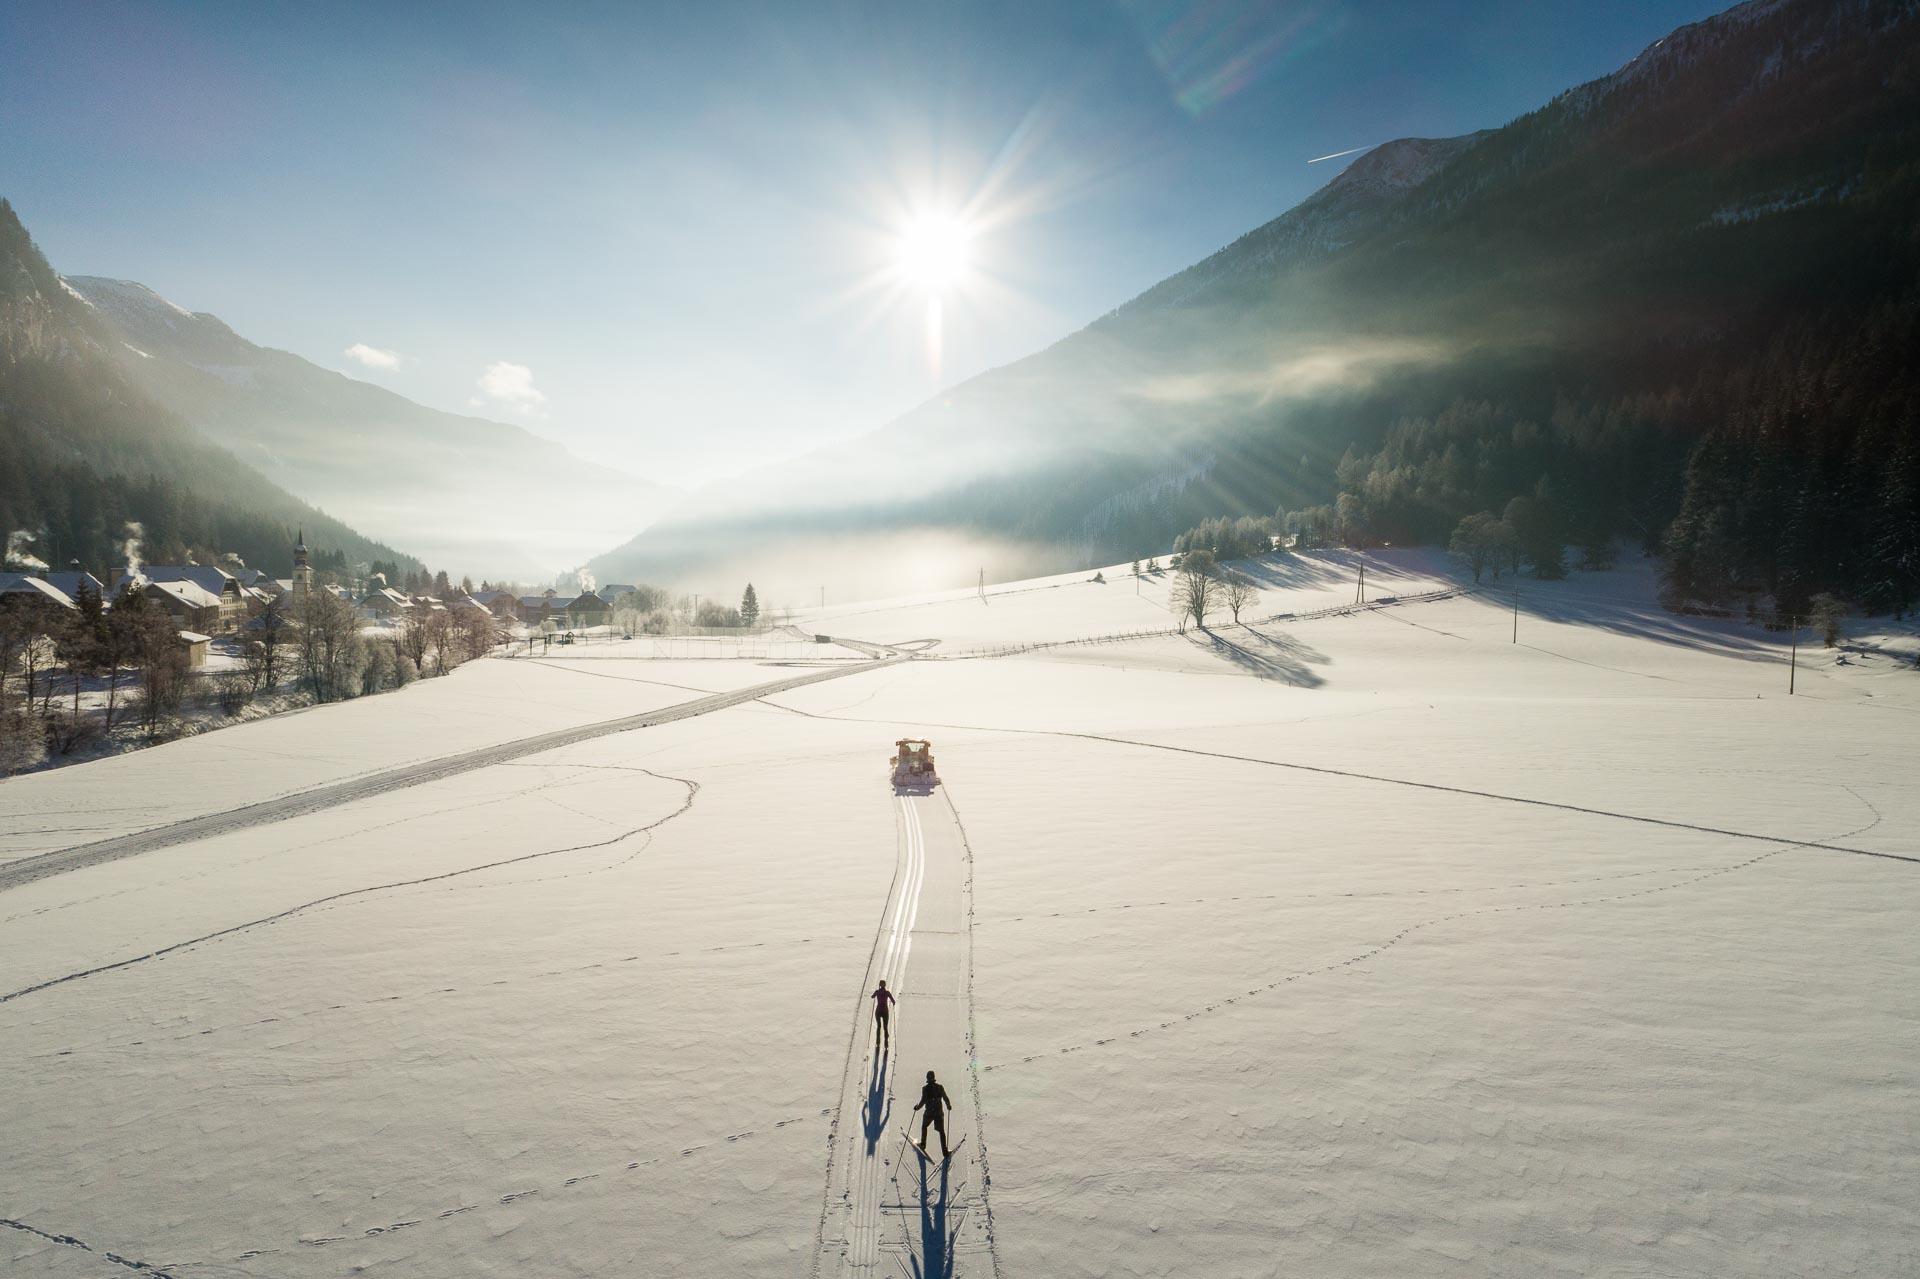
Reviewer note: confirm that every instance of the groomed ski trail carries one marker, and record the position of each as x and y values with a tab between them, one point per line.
43	865
880	1215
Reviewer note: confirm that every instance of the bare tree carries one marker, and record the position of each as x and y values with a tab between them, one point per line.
330	650
22	733
37	655
1196	589
1473	542
439	637
473	634
1237	591
377	674
154	649
415	637
271	634
1826	611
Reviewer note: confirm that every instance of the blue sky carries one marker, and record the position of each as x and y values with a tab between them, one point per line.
665	234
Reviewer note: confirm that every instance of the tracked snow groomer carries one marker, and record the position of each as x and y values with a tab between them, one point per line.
912	765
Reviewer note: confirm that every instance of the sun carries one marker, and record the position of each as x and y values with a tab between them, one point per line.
934	251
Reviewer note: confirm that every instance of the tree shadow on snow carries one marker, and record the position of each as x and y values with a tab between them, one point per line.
1293	572
1266	656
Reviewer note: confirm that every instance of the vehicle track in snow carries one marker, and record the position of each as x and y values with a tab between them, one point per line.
27	870
1354	775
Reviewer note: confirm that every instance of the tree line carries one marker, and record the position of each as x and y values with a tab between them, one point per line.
71	681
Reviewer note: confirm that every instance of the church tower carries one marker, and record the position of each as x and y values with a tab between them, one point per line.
302	572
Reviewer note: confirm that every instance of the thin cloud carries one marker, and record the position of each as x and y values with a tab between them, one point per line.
509	384
372	356
1337	154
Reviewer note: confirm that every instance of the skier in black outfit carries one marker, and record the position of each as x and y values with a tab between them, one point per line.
936	1103
883	1011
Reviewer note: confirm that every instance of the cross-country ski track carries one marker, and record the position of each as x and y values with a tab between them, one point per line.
888	1210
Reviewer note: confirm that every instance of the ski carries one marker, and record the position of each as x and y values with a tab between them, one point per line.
929	1158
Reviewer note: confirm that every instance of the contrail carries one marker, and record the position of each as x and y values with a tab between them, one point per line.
1337	154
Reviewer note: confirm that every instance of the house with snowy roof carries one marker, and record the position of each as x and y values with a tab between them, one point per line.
33	593
74	582
501	604
229	603
385	604
191	606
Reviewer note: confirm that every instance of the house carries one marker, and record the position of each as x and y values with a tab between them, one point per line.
535	609
194	644
34	593
230	605
189	605
72	582
499	603
588	609
612	591
386	604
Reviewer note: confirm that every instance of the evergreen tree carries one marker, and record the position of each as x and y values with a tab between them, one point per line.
749	606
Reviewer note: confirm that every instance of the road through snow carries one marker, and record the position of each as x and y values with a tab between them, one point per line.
887	1210
28	869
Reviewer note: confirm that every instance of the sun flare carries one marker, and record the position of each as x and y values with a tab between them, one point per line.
934	251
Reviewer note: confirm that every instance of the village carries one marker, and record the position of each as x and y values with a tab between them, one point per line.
150	652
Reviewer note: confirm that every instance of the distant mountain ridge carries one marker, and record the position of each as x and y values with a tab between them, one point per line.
469	492
1604	275
86	455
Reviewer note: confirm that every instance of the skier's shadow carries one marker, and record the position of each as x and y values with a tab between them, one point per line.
878	1105
936	1241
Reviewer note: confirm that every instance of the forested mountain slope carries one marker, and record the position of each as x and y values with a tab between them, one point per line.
1674	304
84	453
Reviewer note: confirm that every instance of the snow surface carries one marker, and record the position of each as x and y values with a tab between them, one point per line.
1366	943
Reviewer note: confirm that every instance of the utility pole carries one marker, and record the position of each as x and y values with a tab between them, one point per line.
823	599
983	584
1516	615
1793	654
1360	595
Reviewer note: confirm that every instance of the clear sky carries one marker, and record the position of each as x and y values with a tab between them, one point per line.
688	239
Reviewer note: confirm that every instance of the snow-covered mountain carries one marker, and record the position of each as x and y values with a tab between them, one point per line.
466	492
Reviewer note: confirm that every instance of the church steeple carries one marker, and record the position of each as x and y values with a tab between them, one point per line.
302	571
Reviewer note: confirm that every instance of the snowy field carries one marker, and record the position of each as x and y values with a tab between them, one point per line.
1355	943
